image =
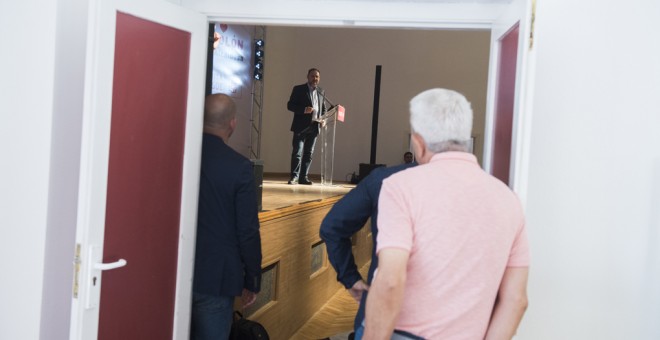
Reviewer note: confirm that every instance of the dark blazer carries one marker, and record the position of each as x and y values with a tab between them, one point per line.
346	218
300	99
228	251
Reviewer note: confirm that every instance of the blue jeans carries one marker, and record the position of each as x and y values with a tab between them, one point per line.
211	317
359	332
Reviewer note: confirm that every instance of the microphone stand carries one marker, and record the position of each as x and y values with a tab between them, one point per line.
326	99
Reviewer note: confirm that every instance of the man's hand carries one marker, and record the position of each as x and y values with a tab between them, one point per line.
216	40
510	305
358	288
248	298
309	110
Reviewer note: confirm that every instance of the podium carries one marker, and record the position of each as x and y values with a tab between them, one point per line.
327	139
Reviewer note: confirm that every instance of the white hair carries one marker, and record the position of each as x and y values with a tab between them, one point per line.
443	118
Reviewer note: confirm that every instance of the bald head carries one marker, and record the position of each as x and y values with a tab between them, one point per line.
219	115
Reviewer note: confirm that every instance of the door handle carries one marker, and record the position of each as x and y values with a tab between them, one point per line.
108	266
94	275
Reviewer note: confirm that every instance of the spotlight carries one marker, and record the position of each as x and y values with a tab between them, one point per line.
259	59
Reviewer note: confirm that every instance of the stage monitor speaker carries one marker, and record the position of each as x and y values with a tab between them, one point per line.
366	168
258	167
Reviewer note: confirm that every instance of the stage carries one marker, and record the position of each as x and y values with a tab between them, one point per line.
277	194
300	297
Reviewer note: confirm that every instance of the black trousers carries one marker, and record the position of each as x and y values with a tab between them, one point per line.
301	154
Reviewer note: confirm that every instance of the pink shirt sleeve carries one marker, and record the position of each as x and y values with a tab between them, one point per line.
519	256
394	223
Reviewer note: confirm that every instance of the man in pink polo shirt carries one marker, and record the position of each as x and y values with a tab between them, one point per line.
452	247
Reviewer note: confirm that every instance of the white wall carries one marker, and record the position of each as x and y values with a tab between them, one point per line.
412	61
64	168
27	68
593	206
40	123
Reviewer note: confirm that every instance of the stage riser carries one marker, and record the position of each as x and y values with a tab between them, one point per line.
287	238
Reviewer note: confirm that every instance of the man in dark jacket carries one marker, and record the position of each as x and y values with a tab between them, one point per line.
307	104
228	251
346	218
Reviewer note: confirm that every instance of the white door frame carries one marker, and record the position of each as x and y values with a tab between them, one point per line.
95	154
519	11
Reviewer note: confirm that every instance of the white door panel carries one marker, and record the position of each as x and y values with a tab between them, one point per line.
95	157
517	12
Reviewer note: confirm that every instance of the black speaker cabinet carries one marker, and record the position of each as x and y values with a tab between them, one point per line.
366	168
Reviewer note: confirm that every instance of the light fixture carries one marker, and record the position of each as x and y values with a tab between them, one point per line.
258	59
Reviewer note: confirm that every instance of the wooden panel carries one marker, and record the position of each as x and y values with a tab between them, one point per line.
267	293
287	236
338	314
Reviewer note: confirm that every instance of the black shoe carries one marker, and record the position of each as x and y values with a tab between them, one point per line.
293	181
305	181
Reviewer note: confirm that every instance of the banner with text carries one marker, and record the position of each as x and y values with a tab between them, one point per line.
232	75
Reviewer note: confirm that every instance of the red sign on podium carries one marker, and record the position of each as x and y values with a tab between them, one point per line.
340	113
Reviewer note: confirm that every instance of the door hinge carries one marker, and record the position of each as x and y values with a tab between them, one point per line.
76	271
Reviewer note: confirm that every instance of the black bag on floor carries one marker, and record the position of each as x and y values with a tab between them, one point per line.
244	329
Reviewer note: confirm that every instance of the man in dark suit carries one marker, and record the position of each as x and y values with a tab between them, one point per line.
228	251
346	218
307	104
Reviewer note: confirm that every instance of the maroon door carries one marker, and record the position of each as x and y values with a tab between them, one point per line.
150	91
504	104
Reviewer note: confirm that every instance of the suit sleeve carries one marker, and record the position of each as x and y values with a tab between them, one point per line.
346	218
248	229
297	101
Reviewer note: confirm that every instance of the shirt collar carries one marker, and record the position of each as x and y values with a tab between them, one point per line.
454	155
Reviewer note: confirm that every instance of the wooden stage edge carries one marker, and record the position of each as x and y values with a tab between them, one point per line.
279	198
302	298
